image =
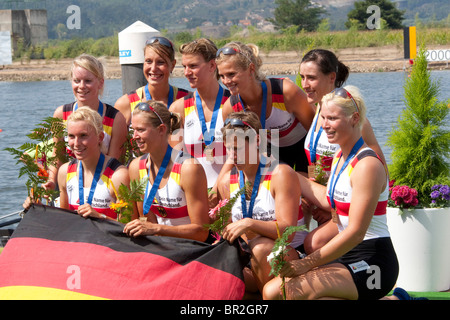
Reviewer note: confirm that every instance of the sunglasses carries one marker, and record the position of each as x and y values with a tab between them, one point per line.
238	123
164	41
229	51
341	92
144	106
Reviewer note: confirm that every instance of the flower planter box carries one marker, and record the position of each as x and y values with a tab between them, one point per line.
422	242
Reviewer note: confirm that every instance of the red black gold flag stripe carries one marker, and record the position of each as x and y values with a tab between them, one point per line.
410	42
56	254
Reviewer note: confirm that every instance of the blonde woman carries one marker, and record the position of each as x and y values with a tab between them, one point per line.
357	195
88	79
86	183
279	103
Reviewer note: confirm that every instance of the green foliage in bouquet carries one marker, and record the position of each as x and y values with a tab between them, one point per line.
126	197
37	157
280	249
421	142
222	212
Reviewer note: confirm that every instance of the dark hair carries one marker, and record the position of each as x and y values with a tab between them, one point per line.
328	62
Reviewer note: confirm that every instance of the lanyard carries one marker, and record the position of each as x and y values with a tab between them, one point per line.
148	96
100	108
248	213
208	136
313	142
98	171
333	180
263	107
148	201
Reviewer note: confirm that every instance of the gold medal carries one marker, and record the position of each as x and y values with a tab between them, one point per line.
312	172
209	153
334	216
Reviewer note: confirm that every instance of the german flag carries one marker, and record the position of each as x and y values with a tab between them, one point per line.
56	254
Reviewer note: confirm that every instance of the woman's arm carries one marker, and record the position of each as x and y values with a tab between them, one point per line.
368	180
118	137
297	103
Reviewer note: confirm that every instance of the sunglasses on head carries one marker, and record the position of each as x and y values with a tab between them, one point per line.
341	92
144	106
237	123
164	41
229	51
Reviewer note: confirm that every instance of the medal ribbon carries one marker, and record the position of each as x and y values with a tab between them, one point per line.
100	108
148	96
263	107
249	213
208	136
333	179
148	201
313	142
98	171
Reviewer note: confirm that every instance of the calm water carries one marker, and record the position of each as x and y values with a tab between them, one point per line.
24	104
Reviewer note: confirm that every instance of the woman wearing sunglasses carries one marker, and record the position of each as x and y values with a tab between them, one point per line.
201	112
159	55
360	261
279	103
271	199
85	182
175	202
321	73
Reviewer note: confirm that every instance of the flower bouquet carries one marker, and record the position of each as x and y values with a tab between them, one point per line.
279	251
125	198
37	157
221	214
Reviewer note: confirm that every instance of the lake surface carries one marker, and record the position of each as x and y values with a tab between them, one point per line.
24	104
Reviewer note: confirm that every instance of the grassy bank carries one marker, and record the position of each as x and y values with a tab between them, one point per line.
59	49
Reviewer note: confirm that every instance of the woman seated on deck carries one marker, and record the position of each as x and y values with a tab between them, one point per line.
176	200
85	182
274	197
357	195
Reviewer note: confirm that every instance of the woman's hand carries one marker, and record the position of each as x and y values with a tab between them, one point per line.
295	268
86	211
235	229
138	228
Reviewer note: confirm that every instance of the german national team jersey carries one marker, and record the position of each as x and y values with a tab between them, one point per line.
290	130
264	207
343	196
169	205
102	197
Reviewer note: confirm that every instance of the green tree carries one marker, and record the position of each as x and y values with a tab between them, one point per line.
300	13
392	16
421	142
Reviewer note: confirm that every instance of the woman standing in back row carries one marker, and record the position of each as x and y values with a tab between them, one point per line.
159	55
201	112
279	103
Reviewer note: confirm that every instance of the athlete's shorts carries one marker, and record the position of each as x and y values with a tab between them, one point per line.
294	156
374	267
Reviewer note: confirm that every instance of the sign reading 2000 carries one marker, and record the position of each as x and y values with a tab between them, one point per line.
438	55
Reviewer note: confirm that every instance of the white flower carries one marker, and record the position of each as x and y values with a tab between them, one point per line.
275	254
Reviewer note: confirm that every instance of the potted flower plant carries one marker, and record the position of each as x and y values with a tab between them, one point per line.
418	210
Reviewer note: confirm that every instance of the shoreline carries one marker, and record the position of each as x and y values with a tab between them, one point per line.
359	60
